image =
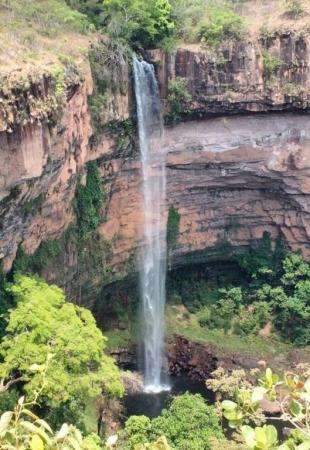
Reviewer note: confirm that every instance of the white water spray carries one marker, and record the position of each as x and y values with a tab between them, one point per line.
153	253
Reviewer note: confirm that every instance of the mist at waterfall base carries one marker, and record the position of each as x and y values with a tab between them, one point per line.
152	258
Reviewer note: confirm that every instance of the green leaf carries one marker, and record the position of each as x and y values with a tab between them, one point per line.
5	421
271	434
258	394
261	437
269	377
248	435
35	430
295	408
228	405
36	443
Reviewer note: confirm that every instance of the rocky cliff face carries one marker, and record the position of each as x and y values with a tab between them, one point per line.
230	178
269	74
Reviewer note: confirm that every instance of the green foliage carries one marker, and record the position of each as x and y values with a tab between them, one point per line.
186	15
259	260
223	311
20	428
275	292
137	430
8	400
295	269
93	9
89	201
45	254
222	24
96	104
260	438
44	326
140	23
188	424
160	444
173	225
294	9
178	98
252	319
294	402
272	64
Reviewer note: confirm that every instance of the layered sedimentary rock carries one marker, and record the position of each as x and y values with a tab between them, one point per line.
230	178
268	74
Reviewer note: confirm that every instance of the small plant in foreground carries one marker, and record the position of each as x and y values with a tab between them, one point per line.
292	395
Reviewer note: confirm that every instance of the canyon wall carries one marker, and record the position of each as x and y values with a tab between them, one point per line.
229	178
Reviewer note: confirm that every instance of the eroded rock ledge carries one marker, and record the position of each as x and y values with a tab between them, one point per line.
230	179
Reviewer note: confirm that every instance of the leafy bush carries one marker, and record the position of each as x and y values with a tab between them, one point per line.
186	15
223	23
178	98
271	63
221	314
244	410
204	316
22	429
137	430
258	261
89	201
252	319
43	326
188	424
138	22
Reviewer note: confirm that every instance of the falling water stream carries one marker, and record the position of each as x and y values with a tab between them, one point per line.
153	253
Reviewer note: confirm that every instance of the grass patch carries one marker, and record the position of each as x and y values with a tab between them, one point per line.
119	338
181	322
37	33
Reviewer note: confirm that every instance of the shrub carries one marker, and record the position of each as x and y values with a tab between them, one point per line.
178	98
89	201
293	399
204	316
222	24
138	22
43	326
252	319
186	15
21	428
137	430
188	424
258	259
271	63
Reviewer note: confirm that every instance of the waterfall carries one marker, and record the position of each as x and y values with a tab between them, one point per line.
153	253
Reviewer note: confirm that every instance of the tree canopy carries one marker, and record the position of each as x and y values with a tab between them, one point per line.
42	327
